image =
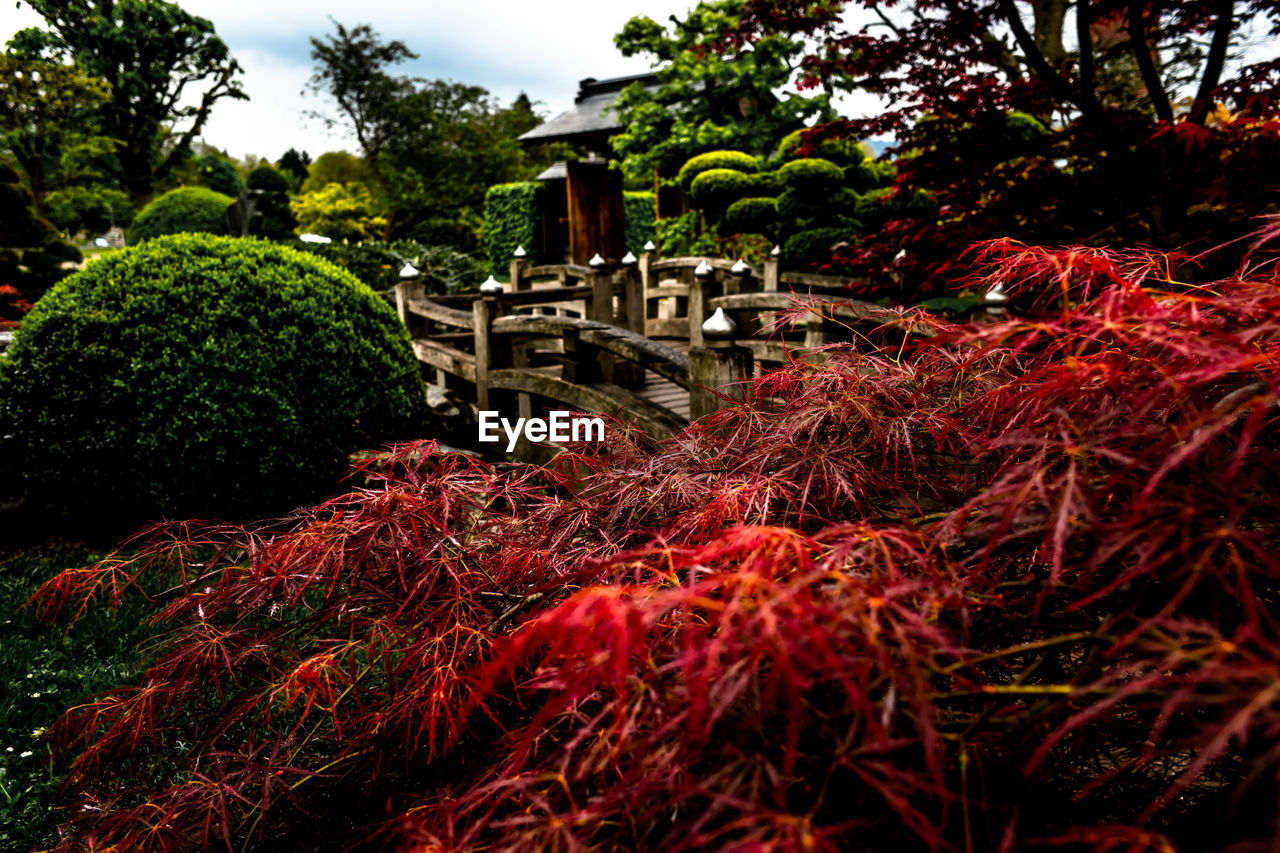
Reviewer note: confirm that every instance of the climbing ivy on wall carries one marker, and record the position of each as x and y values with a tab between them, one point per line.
639	218
511	220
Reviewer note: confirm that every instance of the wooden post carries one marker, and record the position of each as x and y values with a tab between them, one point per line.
814	336
718	366
406	290
520	274
491	353
771	275
628	374
600	309
701	289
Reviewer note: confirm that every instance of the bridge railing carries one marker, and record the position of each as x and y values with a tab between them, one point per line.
591	337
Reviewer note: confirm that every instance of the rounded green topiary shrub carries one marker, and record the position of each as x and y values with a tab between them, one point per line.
750	216
268	178
200	375
811	174
842	152
719	186
797	204
700	163
815	246
220	175
184	210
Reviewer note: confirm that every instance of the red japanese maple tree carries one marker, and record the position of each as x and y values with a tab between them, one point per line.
1161	120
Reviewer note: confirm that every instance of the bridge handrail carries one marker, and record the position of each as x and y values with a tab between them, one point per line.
663	360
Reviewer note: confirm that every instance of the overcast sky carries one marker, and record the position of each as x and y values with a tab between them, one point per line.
540	47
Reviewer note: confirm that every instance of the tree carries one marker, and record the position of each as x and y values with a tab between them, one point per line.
295	164
46	125
706	100
338	211
1136	151
336	167
152	55
433	146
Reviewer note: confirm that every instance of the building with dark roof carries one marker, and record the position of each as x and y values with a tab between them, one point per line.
588	125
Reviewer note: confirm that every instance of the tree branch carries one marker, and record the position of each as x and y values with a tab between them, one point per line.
1088	70
1035	59
1217	58
1146	65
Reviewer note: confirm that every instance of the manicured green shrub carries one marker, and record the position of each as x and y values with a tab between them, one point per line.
220	175
378	265
700	163
794	205
749	215
184	210
718	187
203	375
639	220
763	184
510	221
842	152
814	246
268	178
813	174
338	211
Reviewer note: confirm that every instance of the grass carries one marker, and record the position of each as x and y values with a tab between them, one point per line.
45	669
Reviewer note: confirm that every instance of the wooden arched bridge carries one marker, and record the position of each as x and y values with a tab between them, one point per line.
640	338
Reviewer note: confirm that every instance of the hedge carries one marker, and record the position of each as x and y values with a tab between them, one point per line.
511	220
201	375
814	246
184	210
639	220
842	152
719	186
268	178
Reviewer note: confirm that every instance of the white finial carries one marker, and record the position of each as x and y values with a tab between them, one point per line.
491	287
629	260
776	252
996	296
719	325
519	252
703	269
596	262
740	267
408	271
650	247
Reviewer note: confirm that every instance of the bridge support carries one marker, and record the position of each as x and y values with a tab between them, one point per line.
719	366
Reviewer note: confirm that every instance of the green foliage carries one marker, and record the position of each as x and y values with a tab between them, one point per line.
797	205
700	163
46	126
814	247
511	220
814	175
220	175
336	167
841	151
639	220
31	251
750	215
268	179
203	375
338	211
187	209
434	146
440	268
685	235
718	187
89	209
294	163
42	673
165	68
706	100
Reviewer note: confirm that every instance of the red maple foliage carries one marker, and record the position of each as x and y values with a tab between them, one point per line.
1156	126
1003	586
